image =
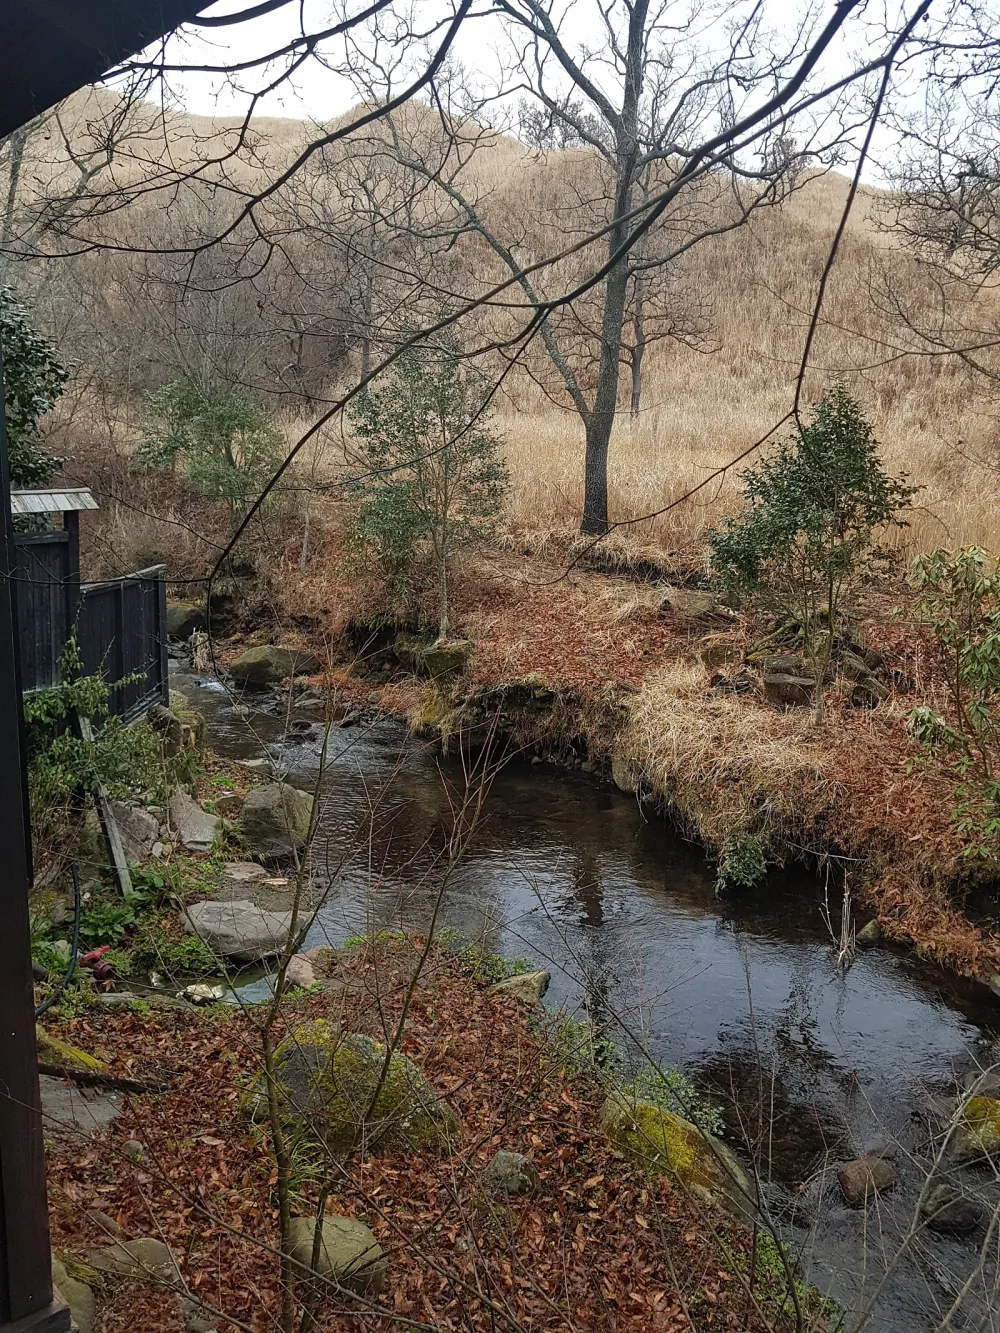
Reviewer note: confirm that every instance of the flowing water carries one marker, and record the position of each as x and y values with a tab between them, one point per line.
742	995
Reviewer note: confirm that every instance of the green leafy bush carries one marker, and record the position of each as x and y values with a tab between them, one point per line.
429	475
226	442
805	539
33	378
63	765
959	601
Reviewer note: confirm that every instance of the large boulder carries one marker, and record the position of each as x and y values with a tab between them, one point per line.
666	1144
445	660
977	1137
270	663
528	987
195	827
275	819
183	618
240	931
331	1089
349	1255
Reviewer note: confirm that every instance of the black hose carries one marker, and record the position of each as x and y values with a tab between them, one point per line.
74	948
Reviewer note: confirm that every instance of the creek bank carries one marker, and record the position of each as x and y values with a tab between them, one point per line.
532	1149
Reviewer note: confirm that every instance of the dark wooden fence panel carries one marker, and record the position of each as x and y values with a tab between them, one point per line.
46	604
121	625
122	633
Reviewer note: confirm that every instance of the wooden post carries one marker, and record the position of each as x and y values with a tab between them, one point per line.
26	1298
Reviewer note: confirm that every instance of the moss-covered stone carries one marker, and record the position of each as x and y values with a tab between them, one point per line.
445	660
52	1051
668	1145
977	1138
330	1088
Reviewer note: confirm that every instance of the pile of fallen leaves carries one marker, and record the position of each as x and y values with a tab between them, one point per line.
597	1246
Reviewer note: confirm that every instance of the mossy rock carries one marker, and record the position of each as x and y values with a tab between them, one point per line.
445	660
52	1051
326	1084
977	1138
668	1145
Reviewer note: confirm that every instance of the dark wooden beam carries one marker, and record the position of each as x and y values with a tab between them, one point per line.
50	48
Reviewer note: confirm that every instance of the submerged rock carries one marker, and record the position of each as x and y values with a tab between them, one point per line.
275	819
349	1254
947	1209
865	1178
241	931
326	1084
668	1145
270	663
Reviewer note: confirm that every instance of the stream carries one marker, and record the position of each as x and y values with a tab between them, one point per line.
742	995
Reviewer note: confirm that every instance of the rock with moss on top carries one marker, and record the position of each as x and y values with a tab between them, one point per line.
270	663
52	1051
330	1088
977	1137
666	1144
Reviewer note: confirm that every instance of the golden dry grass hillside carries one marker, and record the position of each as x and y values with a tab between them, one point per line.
703	404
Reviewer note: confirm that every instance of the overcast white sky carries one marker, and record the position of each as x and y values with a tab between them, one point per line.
318	91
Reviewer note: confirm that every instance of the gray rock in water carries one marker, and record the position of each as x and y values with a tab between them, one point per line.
509	1173
977	1137
77	1296
864	1178
270	663
241	931
275	819
947	1209
349	1254
869	935
138	828
528	987
183	618
195	827
789	691
146	1257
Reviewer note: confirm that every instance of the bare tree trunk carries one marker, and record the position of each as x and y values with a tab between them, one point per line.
602	418
16	142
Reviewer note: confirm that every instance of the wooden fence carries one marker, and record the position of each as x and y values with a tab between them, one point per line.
121	624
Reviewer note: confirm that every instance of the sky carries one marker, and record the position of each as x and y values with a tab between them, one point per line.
320	91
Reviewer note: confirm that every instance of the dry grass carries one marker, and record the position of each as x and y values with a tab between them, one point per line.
701	408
